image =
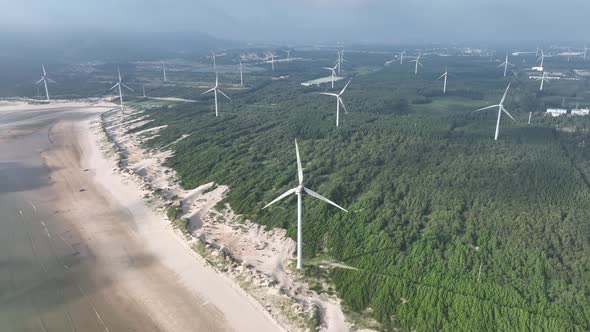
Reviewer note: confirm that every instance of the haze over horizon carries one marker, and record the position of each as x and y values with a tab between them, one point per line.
281	21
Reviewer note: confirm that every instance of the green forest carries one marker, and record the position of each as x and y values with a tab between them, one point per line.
449	229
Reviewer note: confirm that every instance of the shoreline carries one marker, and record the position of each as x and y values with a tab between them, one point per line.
128	193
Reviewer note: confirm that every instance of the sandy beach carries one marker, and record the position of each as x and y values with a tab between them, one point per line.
112	262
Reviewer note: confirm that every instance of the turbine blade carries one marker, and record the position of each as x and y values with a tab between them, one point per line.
51	81
505	111
485	108
287	193
126	87
39	81
342	103
441	76
223	94
114	86
329	94
299	168
320	197
505	93
210	90
346	86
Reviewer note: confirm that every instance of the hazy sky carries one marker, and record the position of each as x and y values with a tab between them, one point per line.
292	21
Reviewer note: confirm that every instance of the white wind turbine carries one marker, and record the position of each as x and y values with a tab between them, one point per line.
338	101
164	71
288	55
299	190
120	84
340	61
417	61
272	60
333	73
401	57
542	58
500	110
543	79
45	79
213	55
241	73
585	52
445	75
505	64
216	89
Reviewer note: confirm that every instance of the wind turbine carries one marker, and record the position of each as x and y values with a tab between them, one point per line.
299	190
288	55
45	79
143	89
338	101
164	71
543	79
500	110
401	58
340	60
272	60
333	70
585	51
505	64
120	84
241	74
417	61
445	75
213	55
542	58
216	89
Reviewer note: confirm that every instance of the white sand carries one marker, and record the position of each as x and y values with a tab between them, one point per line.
240	313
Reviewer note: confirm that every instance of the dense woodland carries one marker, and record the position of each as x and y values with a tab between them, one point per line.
448	229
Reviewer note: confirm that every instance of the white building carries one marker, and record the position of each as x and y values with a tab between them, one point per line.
581	111
554	112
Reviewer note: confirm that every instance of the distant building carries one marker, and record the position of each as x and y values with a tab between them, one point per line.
554	112
581	111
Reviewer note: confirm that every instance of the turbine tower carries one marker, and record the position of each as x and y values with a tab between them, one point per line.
505	64
241	74
216	89
338	101
120	84
585	51
417	61
333	73
164	71
445	75
45	79
299	191
501	109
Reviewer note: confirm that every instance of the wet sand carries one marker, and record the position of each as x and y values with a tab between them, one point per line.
75	257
